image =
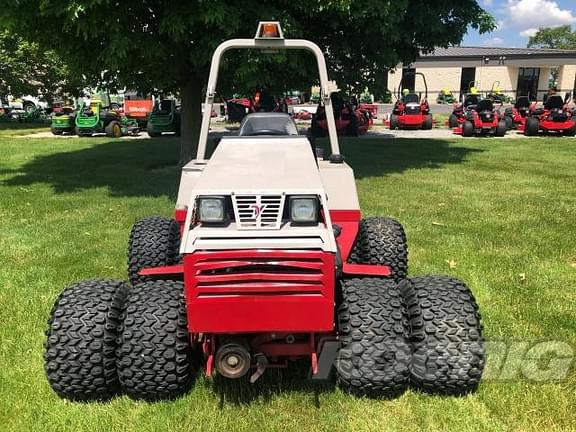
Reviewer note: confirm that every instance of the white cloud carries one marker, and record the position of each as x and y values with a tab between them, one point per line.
496	41
527	16
529	32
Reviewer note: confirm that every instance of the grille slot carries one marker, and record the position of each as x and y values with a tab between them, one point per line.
258	211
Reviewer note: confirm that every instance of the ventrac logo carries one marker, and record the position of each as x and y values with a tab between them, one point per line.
257	210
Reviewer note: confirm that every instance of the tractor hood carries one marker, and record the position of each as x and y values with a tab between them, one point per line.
261	164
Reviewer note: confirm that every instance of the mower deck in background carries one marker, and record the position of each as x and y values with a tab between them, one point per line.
267	260
411	111
481	119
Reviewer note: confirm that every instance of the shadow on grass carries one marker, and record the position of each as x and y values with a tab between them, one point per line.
149	167
274	382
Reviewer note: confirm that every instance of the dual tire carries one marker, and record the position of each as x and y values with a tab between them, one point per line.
424	332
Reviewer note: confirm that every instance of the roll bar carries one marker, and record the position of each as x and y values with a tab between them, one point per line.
268	44
402	82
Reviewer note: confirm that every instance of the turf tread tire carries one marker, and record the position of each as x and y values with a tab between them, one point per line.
453	121
381	241
445	334
154	356
468	129
79	356
154	242
374	355
532	126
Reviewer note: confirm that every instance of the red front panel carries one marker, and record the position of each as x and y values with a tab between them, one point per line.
411	119
556	126
245	291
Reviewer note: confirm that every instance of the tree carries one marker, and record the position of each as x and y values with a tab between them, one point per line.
554	37
26	69
167	44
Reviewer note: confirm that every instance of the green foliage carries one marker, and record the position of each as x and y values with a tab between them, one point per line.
166	43
554	37
27	68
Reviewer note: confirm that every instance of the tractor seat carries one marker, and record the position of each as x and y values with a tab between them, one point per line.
522	102
268	123
485	105
411	98
554	102
471	101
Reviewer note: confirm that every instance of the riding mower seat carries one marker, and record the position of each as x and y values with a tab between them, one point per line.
268	123
471	101
554	102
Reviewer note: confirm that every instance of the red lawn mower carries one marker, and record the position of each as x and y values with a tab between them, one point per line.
350	119
411	111
479	117
555	117
515	117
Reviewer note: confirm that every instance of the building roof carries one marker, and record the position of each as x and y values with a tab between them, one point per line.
467	52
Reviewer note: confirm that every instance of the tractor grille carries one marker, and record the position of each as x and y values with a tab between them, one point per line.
258	211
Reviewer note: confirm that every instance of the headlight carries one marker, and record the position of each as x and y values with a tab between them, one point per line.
212	209
304	209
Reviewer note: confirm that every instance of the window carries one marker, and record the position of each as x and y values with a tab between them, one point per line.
467	77
528	79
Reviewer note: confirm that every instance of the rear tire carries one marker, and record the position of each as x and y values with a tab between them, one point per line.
80	345
532	126
154	355
382	241
113	129
501	129
394	123
570	132
374	355
151	133
453	121
154	242
428	122
446	335
56	131
467	129
509	122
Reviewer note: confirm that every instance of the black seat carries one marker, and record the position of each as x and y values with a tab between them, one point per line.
470	101
266	123
485	105
411	98
554	102
522	102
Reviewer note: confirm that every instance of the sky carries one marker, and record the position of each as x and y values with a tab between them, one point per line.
520	19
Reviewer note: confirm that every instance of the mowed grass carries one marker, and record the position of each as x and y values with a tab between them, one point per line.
13	128
503	211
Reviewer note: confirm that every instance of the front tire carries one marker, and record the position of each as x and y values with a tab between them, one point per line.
428	122
446	335
154	352
453	121
467	129
154	242
80	359
374	355
113	129
382	241
501	129
532	126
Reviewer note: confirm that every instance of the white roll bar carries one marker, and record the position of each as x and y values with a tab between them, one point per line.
271	44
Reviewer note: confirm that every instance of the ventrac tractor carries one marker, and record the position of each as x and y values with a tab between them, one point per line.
267	260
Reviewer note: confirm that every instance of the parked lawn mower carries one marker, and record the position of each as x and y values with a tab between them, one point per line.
469	102
445	96
63	120
411	111
350	119
481	119
92	119
267	260
516	116
497	95
555	116
165	117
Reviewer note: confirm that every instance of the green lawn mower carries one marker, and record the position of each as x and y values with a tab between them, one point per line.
63	121
165	117
445	96
93	118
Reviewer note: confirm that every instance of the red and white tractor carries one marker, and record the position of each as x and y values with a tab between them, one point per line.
267	260
411	111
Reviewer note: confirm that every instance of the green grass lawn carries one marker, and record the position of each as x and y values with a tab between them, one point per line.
12	128
503	211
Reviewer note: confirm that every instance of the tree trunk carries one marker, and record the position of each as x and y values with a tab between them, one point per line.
190	119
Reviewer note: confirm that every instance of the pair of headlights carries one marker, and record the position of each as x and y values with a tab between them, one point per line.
303	209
